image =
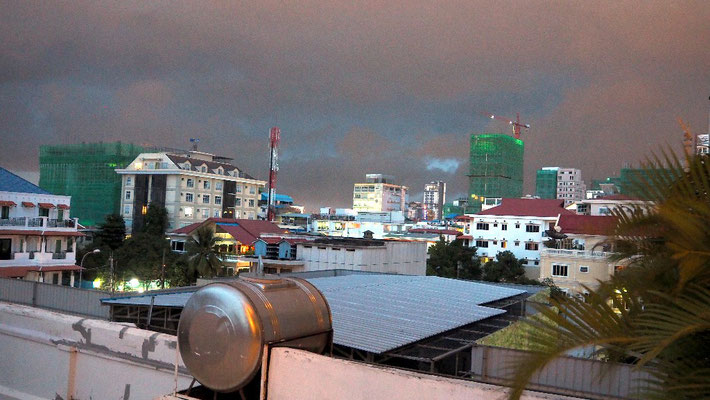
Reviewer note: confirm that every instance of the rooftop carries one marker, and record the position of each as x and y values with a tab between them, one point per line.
529	208
10	182
588	224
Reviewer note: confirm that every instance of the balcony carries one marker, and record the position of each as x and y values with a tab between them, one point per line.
37	222
38	258
575	253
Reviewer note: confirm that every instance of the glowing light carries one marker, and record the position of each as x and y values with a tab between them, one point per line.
97	283
141	290
138	165
134	282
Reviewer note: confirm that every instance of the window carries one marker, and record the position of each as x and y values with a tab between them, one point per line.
251	202
5	213
128	195
190	182
517	226
218	200
481	243
532	228
188	197
206	199
203	168
252	190
604	211
583	269
237	202
559	270
129	181
43	212
238	188
482	226
503	244
504	227
126	209
177	246
217	213
188	211
218	185
531	246
205	213
206	184
517	243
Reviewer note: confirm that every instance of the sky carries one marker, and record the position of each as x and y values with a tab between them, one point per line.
393	87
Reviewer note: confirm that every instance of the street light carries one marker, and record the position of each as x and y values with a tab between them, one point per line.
95	251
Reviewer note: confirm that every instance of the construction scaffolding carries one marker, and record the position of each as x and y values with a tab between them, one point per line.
546	183
86	172
496	167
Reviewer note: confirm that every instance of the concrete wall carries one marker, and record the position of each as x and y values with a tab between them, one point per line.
398	257
47	355
330	378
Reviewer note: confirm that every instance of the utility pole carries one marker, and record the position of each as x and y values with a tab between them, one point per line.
110	261
162	272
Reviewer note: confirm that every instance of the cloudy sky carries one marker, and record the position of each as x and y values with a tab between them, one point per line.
356	86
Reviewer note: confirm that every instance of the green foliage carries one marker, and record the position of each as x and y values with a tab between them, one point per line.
654	313
201	254
141	256
453	260
112	232
156	220
504	268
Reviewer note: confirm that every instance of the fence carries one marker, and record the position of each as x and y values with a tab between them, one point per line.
54	297
566	375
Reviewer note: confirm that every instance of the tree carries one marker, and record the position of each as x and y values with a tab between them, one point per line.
112	232
654	313
453	260
504	268
156	220
201	255
141	256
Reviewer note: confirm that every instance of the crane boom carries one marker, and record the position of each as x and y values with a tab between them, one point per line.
517	125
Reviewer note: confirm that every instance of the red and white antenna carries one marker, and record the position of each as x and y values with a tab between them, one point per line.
274	139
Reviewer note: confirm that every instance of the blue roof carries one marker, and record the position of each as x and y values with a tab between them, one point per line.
10	182
283	198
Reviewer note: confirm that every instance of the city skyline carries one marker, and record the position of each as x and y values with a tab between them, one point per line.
356	89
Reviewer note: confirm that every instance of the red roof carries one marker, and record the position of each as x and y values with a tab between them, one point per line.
187	229
243	230
617	197
7	203
465	237
588	224
436	231
46	205
463	218
20	272
28	204
529	208
63	206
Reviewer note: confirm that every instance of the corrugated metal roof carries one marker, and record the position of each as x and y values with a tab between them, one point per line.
379	313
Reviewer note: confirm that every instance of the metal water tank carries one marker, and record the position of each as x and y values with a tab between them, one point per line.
224	326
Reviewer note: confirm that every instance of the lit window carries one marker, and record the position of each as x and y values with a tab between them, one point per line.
188	211
559	270
144	210
531	246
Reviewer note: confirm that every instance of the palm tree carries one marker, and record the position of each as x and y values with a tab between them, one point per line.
655	313
201	255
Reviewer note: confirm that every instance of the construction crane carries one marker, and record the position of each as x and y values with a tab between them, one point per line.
517	125
274	139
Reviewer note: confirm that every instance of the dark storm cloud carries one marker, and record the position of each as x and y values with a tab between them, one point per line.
357	87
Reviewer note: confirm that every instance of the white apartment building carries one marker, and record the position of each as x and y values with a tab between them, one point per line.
570	186
379	194
434	199
192	187
517	225
37	237
606	204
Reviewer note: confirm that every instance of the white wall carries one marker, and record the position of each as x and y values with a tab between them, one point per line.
47	355
19	211
398	257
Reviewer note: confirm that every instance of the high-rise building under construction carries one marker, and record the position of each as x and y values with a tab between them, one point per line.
496	168
87	173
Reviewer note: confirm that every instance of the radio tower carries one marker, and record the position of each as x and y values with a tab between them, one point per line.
274	139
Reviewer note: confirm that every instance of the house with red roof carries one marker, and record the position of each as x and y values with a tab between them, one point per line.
581	252
37	237
516	225
235	238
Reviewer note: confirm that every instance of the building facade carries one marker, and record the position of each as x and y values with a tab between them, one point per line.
379	193
192	187
517	225
560	183
37	236
434	199
86	172
495	168
582	257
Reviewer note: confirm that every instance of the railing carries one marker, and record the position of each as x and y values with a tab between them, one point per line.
35	222
59	256
576	253
60	223
38	222
18	221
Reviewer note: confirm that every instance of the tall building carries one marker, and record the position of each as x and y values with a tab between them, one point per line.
192	187
496	168
37	237
379	193
560	183
86	172
434	199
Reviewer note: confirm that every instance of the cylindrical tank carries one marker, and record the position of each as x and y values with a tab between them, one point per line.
224	326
